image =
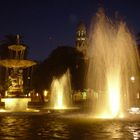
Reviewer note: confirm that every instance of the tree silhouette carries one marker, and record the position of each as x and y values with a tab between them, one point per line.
61	59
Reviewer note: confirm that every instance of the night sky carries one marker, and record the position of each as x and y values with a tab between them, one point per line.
46	24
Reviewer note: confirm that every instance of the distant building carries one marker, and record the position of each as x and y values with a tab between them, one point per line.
81	39
81	44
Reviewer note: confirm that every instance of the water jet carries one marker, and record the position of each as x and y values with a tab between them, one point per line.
61	93
113	59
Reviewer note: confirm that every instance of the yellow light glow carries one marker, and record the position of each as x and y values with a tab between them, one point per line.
32	110
113	97
103	116
59	101
114	87
60	92
15	104
45	93
2	110
114	102
132	78
108	116
6	93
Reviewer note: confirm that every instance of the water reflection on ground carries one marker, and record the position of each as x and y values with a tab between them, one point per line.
20	126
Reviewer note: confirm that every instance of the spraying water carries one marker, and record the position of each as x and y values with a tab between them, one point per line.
61	92
113	60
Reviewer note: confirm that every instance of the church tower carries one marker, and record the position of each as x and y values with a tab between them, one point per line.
81	38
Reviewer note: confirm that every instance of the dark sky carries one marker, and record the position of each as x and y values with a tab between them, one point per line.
45	24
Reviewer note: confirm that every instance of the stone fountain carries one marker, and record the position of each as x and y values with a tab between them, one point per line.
15	99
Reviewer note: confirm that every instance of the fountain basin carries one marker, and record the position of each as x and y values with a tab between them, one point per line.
65	108
15	63
16	104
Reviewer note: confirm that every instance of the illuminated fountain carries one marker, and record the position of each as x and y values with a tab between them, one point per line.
113	60
61	92
15	98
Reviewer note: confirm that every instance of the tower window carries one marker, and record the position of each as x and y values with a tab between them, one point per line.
82	33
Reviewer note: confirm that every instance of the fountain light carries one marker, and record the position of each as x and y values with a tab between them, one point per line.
6	93
61	92
2	110
113	56
132	78
138	95
134	110
32	110
114	94
15	104
59	102
45	93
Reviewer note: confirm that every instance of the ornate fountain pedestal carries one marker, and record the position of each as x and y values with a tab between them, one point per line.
15	99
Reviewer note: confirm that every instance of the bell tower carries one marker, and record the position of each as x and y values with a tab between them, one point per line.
81	38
